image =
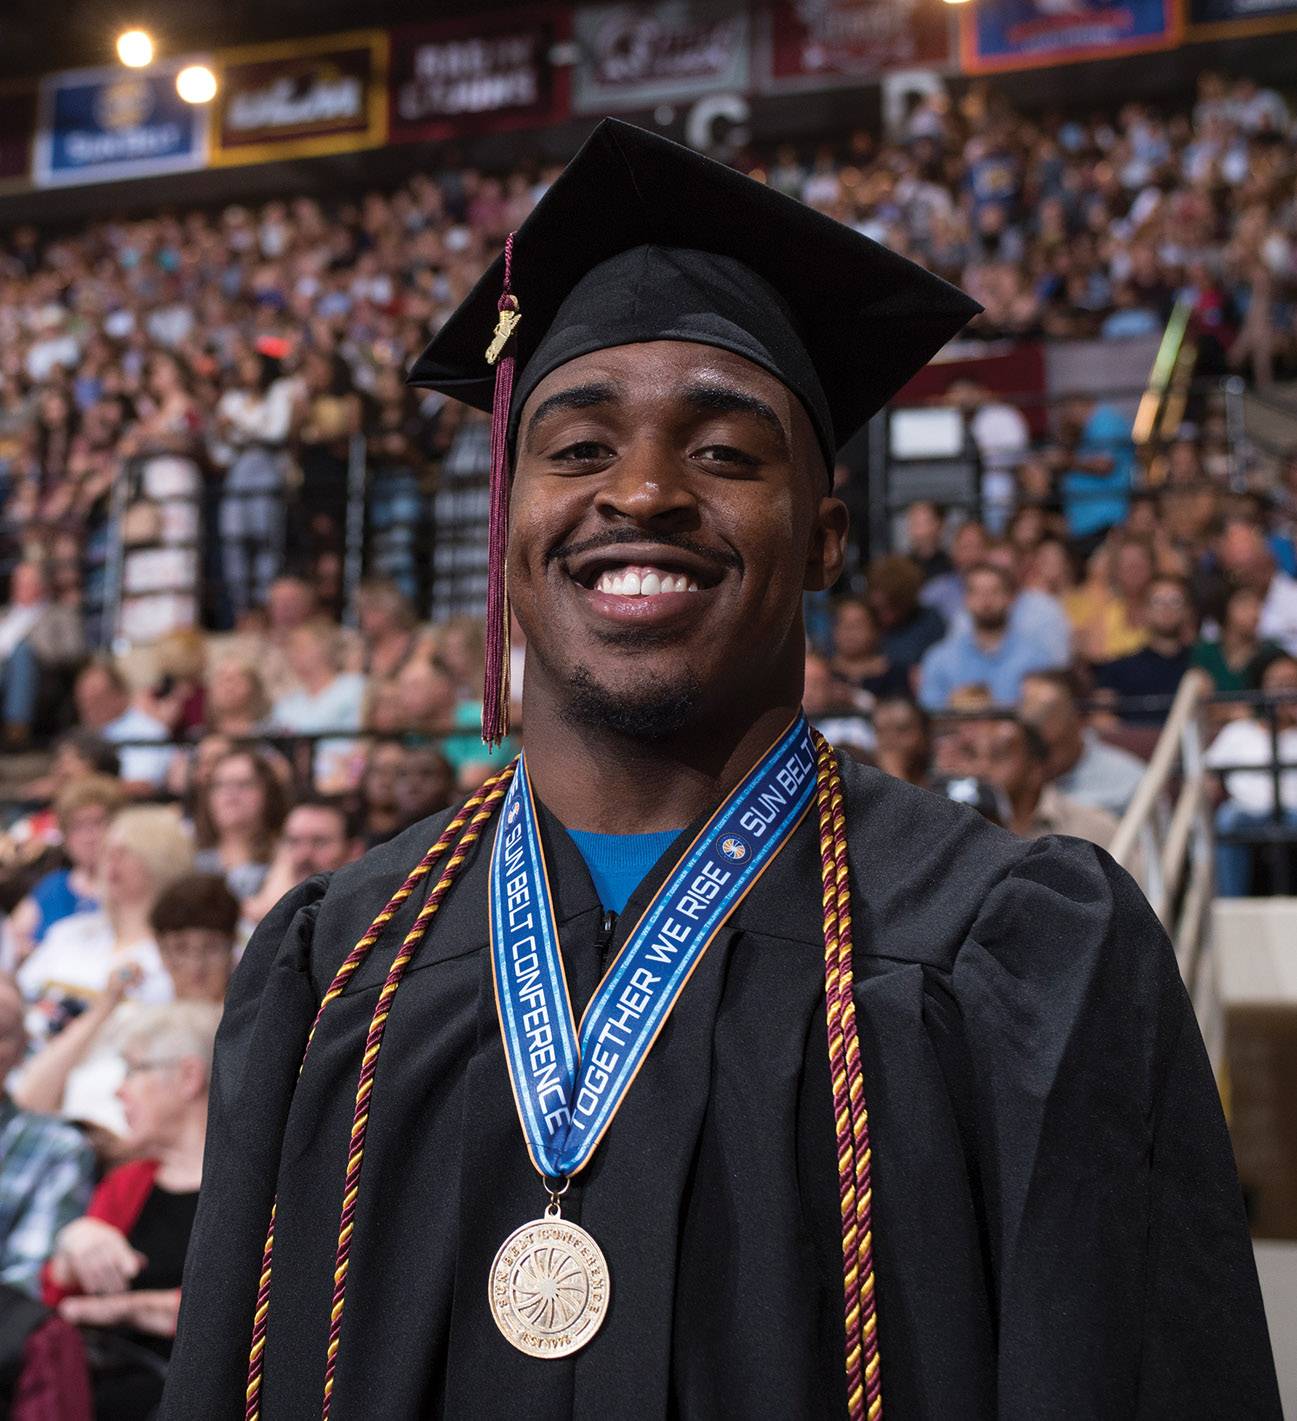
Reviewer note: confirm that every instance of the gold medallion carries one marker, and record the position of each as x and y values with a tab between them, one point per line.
549	1287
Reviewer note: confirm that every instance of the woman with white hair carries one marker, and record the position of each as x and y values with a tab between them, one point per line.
146	848
116	1272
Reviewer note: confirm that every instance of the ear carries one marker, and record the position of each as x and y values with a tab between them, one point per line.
828	547
192	1075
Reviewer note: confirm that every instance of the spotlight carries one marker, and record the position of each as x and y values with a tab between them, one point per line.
196	84
135	48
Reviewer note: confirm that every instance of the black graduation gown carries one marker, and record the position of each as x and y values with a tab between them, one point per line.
1058	1225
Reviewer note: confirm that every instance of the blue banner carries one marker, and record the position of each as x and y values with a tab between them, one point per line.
1021	34
98	125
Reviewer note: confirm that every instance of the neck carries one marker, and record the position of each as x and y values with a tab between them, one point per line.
130	923
180	1164
235	847
1164	645
988	639
318	679
607	783
1024	805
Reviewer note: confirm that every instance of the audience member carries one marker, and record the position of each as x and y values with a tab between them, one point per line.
320	835
909	628
1249	794
327	699
925	530
118	1269
858	657
1153	674
1236	659
830	707
237	704
145	850
1109	612
237	820
84	811
945	592
988	652
1096	461
1247	558
426	785
389	633
1080	764
104	708
379	806
46	1168
37	637
904	740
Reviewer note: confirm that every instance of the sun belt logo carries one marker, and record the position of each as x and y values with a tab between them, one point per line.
734	848
514	810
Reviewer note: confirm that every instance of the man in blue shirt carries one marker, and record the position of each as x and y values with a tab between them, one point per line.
1098	464
989	652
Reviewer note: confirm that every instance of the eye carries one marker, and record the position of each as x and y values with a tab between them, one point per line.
585	451
726	454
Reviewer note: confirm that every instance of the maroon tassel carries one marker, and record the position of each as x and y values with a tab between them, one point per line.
495	691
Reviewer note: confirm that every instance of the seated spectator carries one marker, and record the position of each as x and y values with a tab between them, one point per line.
1246	557
78	1074
320	835
380	811
461	650
104	707
178	698
432	707
1250	799
858	657
1037	614
909	628
1236	659
829	704
1155	672
945	593
1096	460
237	819
329	699
145	850
118	1269
389	631
37	637
84	812
237	704
925	530
1016	761
46	1168
1050	570
1109	614
989	652
904	740
426	785
1080	765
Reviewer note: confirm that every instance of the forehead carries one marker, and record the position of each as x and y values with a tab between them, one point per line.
660	372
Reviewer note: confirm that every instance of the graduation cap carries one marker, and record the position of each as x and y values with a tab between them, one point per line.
640	239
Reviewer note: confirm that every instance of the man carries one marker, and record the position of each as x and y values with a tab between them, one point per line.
103	702
925	529
1015	757
425	784
36	637
909	628
1080	765
989	652
1037	615
1151	676
46	1168
1246	558
380	808
1019	1016
319	836
828	704
945	594
904	735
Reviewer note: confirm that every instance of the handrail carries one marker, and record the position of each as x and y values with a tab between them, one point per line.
1175	849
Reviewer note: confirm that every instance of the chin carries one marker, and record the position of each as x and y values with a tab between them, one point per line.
652	708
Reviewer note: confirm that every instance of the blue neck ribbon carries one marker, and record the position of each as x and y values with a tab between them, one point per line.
569	1081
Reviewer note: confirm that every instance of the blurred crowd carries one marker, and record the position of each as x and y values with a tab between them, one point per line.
1020	656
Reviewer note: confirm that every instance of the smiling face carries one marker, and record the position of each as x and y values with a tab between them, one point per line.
669	508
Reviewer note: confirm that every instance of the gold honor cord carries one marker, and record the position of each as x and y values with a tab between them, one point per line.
851	1115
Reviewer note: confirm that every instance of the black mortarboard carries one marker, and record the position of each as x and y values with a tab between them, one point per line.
640	239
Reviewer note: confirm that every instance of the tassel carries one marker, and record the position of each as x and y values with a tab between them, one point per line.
495	691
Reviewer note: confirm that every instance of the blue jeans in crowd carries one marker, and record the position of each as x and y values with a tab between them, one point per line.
20	679
1234	861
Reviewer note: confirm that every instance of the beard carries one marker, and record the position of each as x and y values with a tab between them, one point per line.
991	624
653	712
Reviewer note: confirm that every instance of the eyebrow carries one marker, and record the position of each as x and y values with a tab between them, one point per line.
726	399
579	397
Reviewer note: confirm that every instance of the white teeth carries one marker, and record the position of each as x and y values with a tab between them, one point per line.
646	582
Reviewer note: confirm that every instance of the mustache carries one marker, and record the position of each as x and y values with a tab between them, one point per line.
724	558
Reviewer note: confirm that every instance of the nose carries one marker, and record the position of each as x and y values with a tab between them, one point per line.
647	486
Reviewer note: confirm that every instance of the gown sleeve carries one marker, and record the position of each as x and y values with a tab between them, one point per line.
268	1013
1121	1264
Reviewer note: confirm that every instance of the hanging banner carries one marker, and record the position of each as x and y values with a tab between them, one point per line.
1227	19
97	125
638	56
996	35
17	136
300	98
492	71
819	43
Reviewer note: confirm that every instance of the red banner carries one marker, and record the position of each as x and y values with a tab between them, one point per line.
819	42
454	77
